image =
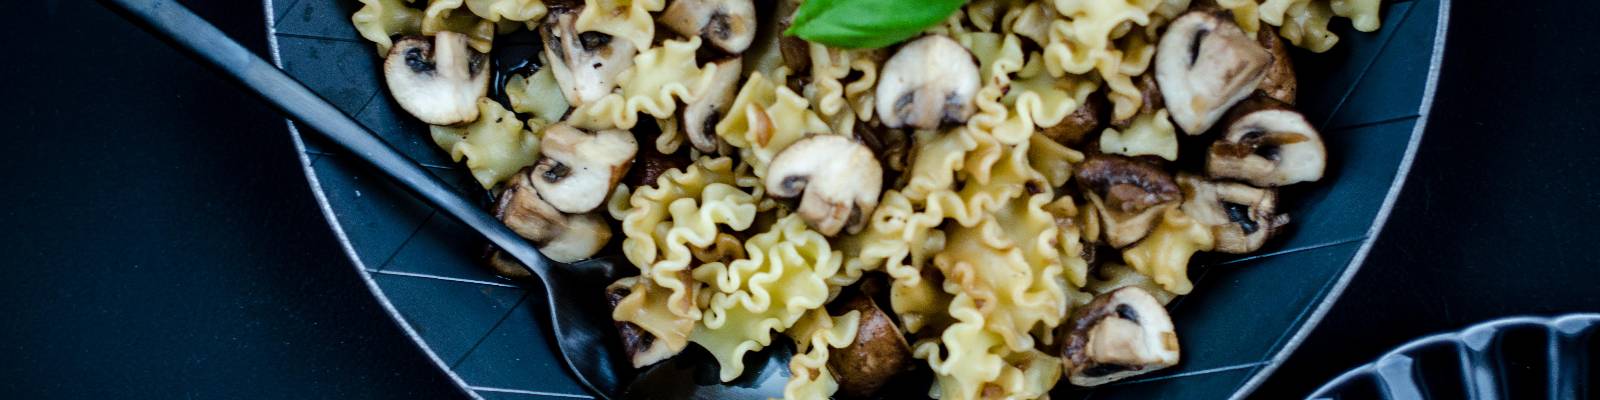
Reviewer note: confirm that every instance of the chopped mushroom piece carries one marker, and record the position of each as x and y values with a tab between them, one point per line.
577	169
586	64
1241	217
1129	195
1204	65
878	353
928	82
1081	123
1267	144
1119	334
701	115
438	82
839	177
562	237
729	25
1279	82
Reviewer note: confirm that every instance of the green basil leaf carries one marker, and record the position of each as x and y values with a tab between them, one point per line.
867	23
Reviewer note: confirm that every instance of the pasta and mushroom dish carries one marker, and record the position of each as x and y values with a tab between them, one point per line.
1004	197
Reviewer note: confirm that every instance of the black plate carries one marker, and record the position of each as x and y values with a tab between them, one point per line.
1511	358
1370	95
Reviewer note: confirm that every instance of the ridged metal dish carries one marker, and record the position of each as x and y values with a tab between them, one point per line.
1370	95
1511	358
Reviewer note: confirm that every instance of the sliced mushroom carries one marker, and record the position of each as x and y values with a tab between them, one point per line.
1267	144
796	52
1119	334
928	82
878	353
1088	119
839	177
1241	217
577	169
1128	194
729	25
586	64
438	82
642	347
562	237
700	116
1279	82
650	164
1204	65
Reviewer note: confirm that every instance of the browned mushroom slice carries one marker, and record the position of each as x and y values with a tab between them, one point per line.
730	25
927	83
1241	217
878	353
562	237
701	115
1129	195
437	81
1204	65
1267	144
1279	82
1075	129
577	169
585	64
642	347
1119	334
840	179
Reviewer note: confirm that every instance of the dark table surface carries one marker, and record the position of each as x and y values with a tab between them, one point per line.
159	239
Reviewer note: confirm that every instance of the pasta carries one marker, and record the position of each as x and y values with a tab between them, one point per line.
995	233
495	146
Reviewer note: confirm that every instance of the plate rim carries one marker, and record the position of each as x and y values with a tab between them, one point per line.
1256	379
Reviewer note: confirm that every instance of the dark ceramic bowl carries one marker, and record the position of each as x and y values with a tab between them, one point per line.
1370	95
1510	358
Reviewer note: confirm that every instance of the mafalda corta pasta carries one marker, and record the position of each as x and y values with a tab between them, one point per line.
988	198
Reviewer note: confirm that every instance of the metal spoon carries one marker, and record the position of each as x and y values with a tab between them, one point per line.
579	315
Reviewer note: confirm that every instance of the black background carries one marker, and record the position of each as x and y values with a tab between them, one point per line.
158	238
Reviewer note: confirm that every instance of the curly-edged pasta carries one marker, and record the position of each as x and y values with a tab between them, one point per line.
1094	35
970	362
1112	276
659	78
441	16
624	19
814	336
495	146
1363	14
1164	254
1150	134
766	118
379	20
783	278
687	208
526	96
646	306
508	10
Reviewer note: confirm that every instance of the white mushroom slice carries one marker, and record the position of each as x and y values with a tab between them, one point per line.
1204	65
577	169
1119	334
438	82
701	115
586	64
729	25
928	82
839	177
562	237
1267	144
1241	217
1129	195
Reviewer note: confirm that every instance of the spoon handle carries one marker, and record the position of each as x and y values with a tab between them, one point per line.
183	29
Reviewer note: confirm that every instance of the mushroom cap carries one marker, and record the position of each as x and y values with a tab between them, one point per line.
878	353
1241	217
1267	144
577	169
1129	195
839	178
439	82
730	25
701	115
1119	334
585	64
928	82
562	237
1204	65
1279	82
